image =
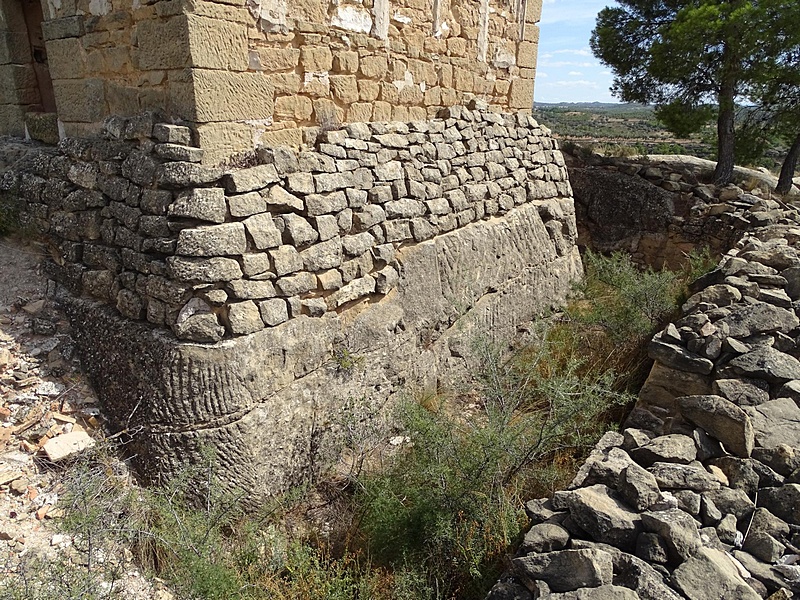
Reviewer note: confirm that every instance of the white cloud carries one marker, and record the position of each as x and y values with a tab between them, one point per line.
565	63
576	52
577	83
575	76
570	51
570	11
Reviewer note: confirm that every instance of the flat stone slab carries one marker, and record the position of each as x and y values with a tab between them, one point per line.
766	363
679	358
674	447
722	420
66	445
672	476
604	592
758	318
783	502
776	422
711	575
677	528
566	570
604	517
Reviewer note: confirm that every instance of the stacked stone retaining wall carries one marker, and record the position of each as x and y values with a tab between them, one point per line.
213	253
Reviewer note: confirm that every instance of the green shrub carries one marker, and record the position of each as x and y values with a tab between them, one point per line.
432	519
450	506
669	148
626	301
98	502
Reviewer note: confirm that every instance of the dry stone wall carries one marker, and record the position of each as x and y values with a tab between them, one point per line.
242	308
698	497
141	225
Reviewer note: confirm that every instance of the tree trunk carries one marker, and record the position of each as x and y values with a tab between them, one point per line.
788	168
726	137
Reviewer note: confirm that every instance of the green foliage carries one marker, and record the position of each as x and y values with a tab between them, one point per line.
619	123
698	263
669	148
97	503
346	360
41	579
450	505
627	302
684	119
618	130
191	532
774	82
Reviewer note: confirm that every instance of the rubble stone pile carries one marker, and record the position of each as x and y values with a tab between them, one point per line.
699	496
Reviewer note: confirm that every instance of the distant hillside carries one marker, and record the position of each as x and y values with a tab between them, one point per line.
631	125
594	106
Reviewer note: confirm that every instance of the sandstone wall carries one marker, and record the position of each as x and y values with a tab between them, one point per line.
258	73
349	62
99	62
366	266
19	92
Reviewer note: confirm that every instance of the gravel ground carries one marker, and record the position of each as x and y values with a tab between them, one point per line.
48	414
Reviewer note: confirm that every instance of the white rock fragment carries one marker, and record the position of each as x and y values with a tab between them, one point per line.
67	445
50	388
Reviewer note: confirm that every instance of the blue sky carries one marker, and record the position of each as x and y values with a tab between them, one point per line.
567	71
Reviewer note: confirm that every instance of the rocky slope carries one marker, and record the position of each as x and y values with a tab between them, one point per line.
699	497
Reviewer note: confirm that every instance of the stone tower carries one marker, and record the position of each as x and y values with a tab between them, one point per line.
245	73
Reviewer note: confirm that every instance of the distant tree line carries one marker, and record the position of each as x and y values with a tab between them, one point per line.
696	59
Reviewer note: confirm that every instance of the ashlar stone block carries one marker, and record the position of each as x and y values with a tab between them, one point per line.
220	95
163	43
213	240
316	59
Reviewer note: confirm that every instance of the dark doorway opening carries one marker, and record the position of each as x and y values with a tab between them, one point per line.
32	11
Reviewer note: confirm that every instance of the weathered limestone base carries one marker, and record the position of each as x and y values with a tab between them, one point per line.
265	402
